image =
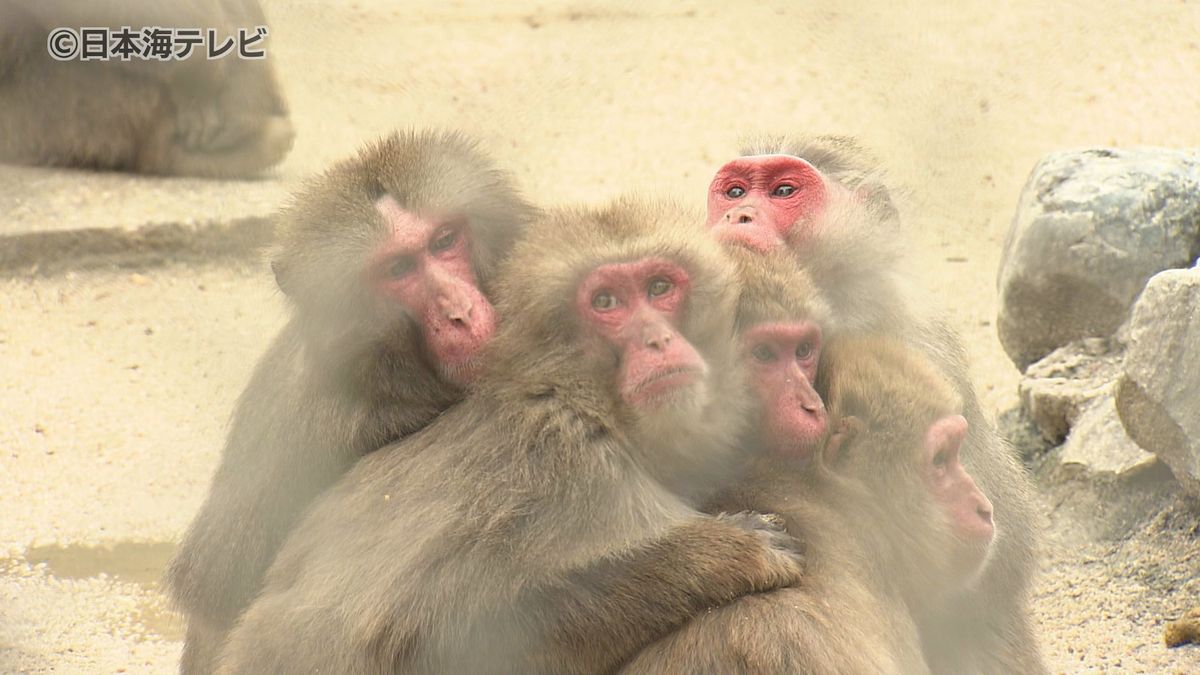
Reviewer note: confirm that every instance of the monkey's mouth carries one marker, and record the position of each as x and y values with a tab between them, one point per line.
792	447
972	560
752	240
797	451
664	382
462	372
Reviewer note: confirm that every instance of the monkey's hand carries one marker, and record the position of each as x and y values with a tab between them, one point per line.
619	603
782	561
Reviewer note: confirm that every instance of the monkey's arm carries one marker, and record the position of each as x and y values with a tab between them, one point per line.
275	463
343	595
599	616
220	565
791	630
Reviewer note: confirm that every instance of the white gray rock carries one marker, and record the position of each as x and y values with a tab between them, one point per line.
1091	227
1158	397
1098	445
1056	390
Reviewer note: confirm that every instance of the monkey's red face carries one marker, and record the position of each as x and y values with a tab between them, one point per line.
783	360
760	201
425	266
636	308
967	510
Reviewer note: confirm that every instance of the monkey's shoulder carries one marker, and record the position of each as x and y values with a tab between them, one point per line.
471	442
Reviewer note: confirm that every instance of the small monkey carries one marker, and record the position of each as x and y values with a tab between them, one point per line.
387	261
823	200
780	315
546	523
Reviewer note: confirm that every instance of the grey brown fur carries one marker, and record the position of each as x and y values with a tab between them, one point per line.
538	526
854	264
195	117
877	550
345	376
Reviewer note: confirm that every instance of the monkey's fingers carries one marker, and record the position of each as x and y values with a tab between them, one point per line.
776	520
753	520
770	527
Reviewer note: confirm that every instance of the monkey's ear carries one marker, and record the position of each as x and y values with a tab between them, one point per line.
375	190
875	194
841	437
282	279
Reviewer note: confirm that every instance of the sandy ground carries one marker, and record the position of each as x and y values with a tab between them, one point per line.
117	384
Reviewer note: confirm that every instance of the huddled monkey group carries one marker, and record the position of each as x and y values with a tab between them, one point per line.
499	439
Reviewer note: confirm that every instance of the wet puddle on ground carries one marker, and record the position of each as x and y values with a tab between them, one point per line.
141	563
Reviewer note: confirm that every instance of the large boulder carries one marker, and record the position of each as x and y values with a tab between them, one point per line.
1158	397
1091	227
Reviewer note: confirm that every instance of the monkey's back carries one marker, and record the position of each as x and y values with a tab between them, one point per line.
841	619
419	549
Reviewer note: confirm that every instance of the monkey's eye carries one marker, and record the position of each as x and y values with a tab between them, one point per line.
804	350
784	190
763	354
736	192
659	286
939	460
604	301
402	266
444	241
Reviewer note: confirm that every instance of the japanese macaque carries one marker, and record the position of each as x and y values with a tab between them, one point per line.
196	116
892	524
388	262
780	314
834	215
546	523
843	231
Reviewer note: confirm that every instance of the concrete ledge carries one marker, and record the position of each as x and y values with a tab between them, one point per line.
55	252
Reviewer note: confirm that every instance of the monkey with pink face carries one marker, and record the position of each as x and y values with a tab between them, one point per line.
822	202
856	445
387	261
548	522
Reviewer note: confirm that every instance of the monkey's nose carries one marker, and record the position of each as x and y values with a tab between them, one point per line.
656	339
742	215
809	402
458	312
984	511
658	342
